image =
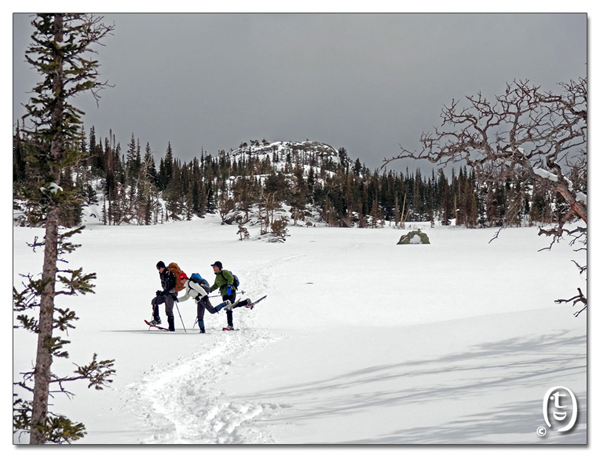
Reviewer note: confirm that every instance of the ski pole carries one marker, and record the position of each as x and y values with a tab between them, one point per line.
181	318
218	296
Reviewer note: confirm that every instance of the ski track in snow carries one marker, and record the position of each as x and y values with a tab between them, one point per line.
181	402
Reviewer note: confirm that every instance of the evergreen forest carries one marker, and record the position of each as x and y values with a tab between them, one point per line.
313	182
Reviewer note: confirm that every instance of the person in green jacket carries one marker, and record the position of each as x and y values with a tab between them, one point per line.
224	281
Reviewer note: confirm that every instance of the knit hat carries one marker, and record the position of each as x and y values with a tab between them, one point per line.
218	264
160	264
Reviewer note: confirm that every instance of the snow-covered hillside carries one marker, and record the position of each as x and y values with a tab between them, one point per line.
305	154
360	340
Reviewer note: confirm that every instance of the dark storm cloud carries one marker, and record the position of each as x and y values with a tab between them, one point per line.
366	82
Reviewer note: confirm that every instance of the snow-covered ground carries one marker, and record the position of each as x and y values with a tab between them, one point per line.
359	341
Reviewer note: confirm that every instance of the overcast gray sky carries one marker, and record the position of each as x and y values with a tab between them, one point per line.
365	82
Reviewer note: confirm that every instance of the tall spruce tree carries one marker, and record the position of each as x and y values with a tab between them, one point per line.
61	52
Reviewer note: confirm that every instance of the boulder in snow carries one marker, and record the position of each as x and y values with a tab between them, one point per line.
414	237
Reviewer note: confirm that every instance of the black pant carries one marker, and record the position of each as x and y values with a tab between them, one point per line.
242	304
230	313
203	304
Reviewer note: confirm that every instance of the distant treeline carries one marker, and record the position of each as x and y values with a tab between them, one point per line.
129	187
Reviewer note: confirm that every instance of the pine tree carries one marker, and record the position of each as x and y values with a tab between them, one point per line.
19	159
60	53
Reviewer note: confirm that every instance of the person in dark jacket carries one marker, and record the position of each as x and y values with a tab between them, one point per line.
225	283
167	295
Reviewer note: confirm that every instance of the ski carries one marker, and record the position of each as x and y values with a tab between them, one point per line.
251	307
156	326
257	301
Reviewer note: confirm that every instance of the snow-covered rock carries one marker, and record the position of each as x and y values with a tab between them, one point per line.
414	237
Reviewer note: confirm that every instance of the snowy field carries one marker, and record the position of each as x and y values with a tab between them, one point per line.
360	341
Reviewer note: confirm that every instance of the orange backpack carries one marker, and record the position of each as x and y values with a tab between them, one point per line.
180	276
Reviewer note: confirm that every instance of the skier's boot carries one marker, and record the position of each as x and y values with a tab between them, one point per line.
171	323
225	305
155	317
201	325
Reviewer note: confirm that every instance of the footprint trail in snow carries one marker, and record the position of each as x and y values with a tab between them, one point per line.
181	402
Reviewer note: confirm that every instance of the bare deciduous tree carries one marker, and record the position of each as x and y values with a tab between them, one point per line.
523	132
